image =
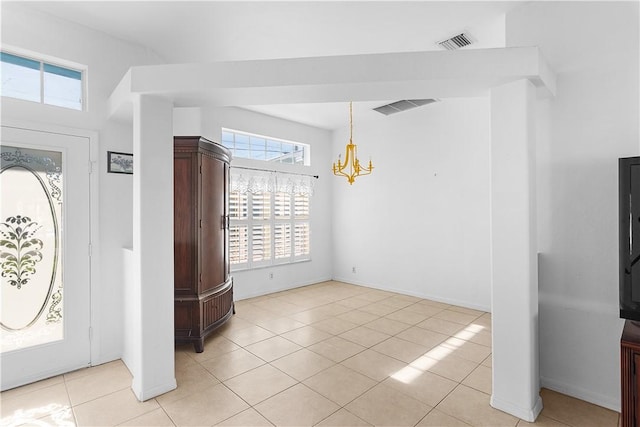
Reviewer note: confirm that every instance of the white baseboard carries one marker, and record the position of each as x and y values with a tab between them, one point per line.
466	304
282	288
605	401
527	414
143	395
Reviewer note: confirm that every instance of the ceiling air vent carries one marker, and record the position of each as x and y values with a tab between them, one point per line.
398	106
456	42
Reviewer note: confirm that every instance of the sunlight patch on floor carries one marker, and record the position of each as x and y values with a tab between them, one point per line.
425	362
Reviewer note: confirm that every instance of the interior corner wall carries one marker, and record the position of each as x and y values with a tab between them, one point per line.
591	122
107	59
257	282
420	223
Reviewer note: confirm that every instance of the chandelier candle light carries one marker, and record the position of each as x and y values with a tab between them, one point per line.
351	162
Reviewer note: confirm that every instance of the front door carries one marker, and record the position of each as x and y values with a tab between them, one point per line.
44	255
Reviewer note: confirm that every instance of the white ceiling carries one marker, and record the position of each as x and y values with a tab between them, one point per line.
209	31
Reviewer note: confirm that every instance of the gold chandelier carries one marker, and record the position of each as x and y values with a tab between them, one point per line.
351	167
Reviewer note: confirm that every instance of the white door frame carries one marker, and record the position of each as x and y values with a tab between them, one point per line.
94	230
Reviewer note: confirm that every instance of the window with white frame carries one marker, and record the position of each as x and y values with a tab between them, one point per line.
39	81
257	147
270	216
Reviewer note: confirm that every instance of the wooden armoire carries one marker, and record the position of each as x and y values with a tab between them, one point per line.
202	284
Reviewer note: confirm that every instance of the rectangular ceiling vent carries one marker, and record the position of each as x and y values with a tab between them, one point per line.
456	42
398	106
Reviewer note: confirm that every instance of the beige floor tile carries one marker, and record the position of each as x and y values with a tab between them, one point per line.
405	351
424	386
484	321
259	384
280	325
343	418
116	365
336	349
214	345
186	387
279	307
407	316
310	316
374	296
422	336
374	365
8	394
440	325
182	356
209	407
354	302
447	366
154	418
472	334
296	406
385	406
387	326
99	383
41	402
302	364
432	303
358	317
306	336
64	418
235	323
457	317
465	310
472	407
231	364
467	350
273	348
334	326
379	308
364	336
424	309
576	412
437	418
399	302
249	335
112	409
488	362
480	379
193	373
254	314
248	417
542	421
340	384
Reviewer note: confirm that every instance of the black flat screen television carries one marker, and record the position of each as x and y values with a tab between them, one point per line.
629	237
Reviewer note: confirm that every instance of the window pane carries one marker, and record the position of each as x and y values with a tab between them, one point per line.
301	206
282	206
282	238
242	146
301	239
261	240
257	148
238	244
261	207
62	87
274	150
20	77
238	206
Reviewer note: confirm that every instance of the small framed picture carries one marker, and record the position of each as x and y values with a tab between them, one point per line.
119	162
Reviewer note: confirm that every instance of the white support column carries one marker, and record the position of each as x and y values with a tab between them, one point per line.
514	302
153	246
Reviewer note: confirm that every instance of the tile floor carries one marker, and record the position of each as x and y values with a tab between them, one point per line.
329	354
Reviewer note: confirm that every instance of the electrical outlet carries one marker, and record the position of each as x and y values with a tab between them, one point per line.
353	270
270	275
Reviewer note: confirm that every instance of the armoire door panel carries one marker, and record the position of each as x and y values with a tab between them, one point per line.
184	224
212	234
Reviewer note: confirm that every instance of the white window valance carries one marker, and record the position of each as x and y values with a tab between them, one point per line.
262	181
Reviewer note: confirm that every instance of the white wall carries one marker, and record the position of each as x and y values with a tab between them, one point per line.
419	224
257	282
107	59
593	120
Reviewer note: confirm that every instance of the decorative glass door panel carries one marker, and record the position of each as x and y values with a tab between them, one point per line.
44	257
31	218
